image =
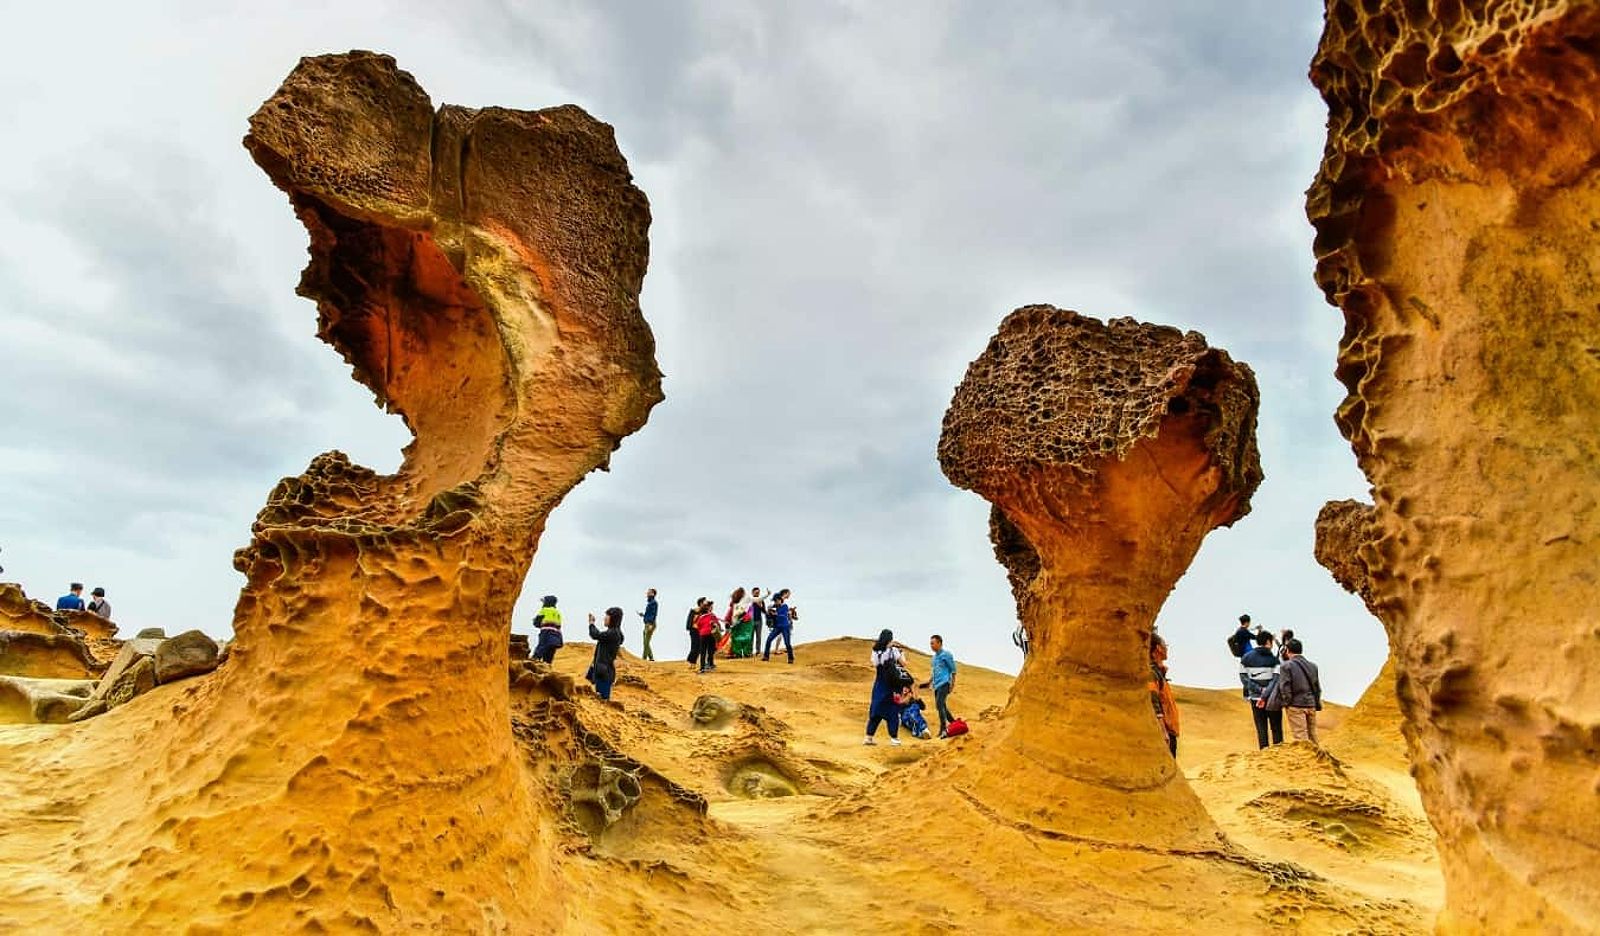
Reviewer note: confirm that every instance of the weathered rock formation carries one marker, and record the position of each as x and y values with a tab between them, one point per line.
1109	451
1344	531
353	765
1455	228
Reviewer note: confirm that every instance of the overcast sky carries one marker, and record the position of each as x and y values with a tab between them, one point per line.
848	197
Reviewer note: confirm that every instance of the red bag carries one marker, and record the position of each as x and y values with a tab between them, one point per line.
956	727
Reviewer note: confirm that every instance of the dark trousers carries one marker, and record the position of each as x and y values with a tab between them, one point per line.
1264	721
602	688
708	651
773	635
941	694
891	719
549	643
694	647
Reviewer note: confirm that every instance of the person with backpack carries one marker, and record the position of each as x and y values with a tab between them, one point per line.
603	668
1258	670
1241	640
782	623
889	678
548	621
1298	691
690	624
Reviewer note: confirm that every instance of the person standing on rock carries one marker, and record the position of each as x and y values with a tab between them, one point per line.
782	624
603	668
706	627
72	600
758	616
1300	691
99	605
692	625
1161	697
649	614
740	624
548	621
889	677
942	681
1257	670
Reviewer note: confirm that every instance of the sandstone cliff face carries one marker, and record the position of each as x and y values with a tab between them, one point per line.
353	765
1455	228
1109	451
1345	532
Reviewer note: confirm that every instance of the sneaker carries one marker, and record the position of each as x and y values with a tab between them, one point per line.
894	742
869	742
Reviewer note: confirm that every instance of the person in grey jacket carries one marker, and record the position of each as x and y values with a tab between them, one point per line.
1257	670
1300	692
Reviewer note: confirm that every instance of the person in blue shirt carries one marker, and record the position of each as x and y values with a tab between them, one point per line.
782	617
73	600
649	615
943	681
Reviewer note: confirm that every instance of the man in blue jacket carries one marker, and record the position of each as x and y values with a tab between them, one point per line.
943	681
72	600
1257	670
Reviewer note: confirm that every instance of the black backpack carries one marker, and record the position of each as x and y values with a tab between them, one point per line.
1239	642
894	673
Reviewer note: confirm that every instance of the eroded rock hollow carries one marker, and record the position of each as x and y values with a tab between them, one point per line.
353	765
1455	213
1109	451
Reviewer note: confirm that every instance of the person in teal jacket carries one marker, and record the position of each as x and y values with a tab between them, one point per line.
943	681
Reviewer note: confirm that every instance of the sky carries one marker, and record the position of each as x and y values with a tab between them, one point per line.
847	199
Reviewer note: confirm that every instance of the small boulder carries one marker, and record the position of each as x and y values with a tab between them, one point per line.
151	633
132	652
135	680
191	653
713	711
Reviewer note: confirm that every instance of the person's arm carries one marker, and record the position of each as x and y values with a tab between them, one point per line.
594	632
1316	687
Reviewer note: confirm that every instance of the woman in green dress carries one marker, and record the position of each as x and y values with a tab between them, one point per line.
741	624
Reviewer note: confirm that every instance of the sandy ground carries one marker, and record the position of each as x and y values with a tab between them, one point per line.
805	830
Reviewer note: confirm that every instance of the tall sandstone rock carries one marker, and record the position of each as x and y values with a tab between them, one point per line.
1109	451
353	766
1455	214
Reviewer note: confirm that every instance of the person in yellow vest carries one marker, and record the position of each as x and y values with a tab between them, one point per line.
548	621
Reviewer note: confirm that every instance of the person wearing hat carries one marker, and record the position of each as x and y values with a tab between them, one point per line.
548	621
72	600
99	605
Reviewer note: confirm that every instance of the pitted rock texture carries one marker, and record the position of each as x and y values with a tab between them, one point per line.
1345	532
353	766
1109	451
1454	214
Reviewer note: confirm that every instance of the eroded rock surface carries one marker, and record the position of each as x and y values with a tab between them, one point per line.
353	766
1109	450
1345	534
1455	228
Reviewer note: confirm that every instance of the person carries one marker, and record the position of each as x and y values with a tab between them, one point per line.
1299	690
758	616
888	659
548	621
1258	669
706	627
649	616
603	668
1161	698
1020	638
782	624
741	627
98	604
943	682
911	717
692	625
72	600
1283	642
1241	640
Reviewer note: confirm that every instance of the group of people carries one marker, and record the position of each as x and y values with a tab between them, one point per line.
73	601
1280	684
736	632
894	698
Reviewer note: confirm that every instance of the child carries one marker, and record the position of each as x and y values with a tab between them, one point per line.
911	713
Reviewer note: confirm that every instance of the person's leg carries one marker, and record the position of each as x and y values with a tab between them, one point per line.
1172	744
602	688
893	720
1296	717
1311	725
873	718
787	646
1275	722
648	631
1260	716
694	648
945	718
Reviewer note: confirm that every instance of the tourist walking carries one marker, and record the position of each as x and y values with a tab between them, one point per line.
603	668
99	605
942	681
548	621
649	616
889	678
1257	670
1299	690
758	616
1161	697
782	623
72	600
741	627
706	627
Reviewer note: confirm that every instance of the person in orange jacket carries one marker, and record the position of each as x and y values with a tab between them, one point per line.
1161	698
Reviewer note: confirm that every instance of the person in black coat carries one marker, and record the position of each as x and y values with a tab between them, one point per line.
603	669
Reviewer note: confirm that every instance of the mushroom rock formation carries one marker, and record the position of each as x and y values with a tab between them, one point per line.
1109	451
1455	213
1344	531
353	766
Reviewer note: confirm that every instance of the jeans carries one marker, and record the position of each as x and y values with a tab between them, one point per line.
1302	723
940	694
1265	720
549	642
773	635
602	688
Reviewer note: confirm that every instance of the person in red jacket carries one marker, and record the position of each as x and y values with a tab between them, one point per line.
706	629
